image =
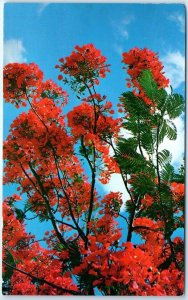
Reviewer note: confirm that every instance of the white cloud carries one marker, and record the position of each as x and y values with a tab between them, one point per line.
14	51
116	185
42	7
174	67
179	19
116	182
123	26
124	33
176	147
121	32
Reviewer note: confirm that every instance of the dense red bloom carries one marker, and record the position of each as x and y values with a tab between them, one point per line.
112	203
51	90
139	60
177	188
31	258
82	120
86	63
147	200
47	155
23	83
13	230
19	79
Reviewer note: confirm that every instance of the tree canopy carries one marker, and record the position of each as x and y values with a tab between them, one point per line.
55	160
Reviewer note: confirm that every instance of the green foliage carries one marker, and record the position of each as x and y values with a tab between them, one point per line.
152	90
164	157
139	122
127	156
148	130
134	106
167	173
129	206
174	105
167	129
143	183
8	271
168	106
19	214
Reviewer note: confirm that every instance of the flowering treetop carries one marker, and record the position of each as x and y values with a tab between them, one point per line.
47	153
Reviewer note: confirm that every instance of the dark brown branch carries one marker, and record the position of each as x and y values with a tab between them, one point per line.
68	202
93	167
35	112
85	153
139	141
92	182
160	199
122	176
45	197
130	227
124	218
67	224
30	179
42	281
145	228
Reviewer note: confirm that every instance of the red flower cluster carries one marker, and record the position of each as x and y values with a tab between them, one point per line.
139	60
51	90
112	203
84	238
20	82
83	120
177	188
13	231
23	83
95	127
32	258
86	63
147	201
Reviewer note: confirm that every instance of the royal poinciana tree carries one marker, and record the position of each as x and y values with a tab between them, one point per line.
55	160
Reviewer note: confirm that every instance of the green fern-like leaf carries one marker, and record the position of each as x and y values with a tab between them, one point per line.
167	129
175	105
151	89
135	106
127	156
167	173
164	157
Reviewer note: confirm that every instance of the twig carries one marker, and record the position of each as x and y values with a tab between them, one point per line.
43	281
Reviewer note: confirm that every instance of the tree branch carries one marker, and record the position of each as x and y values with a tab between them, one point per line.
45	197
43	281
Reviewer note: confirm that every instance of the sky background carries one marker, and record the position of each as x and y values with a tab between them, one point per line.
43	33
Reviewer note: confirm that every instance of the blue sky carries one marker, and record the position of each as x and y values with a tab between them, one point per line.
42	33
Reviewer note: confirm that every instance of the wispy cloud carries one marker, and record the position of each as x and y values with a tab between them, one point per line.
118	48
41	8
179	19
174	67
176	147
121	32
14	51
123	26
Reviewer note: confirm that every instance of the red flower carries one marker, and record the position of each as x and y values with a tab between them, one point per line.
85	62
21	80
139	60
